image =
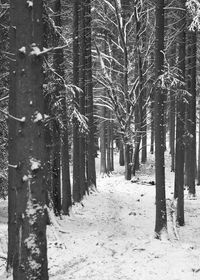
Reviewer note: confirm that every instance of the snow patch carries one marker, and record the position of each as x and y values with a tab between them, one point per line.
35	164
30	3
30	243
35	50
22	50
37	117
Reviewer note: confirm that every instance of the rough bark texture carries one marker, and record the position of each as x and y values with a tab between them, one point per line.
30	258
11	146
76	178
161	217
103	169
190	158
121	153
198	170
59	68
180	146
82	97
89	91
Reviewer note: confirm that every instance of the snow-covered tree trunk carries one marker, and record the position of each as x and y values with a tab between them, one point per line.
30	254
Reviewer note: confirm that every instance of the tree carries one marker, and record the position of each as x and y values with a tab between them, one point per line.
76	178
161	216
62	117
91	174
30	246
12	145
190	147
180	119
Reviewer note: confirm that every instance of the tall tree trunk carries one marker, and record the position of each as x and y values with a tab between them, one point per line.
198	169
190	164
65	201
161	216
12	131
76	178
30	258
121	153
172	111
56	183
152	124
90	108
47	112
172	124
112	146
58	64
103	168
180	148
108	144
82	97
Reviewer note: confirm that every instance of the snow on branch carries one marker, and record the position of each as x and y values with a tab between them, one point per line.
36	51
23	119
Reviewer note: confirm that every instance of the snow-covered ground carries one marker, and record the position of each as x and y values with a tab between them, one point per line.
111	236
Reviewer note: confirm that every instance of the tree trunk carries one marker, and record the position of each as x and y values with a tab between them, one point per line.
47	112
161	216
152	124
103	168
30	258
89	91
121	154
112	147
180	149
127	160
82	97
76	178
198	170
172	129
190	164
56	183
12	131
65	201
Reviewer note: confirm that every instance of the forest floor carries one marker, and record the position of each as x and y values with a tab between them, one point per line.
111	235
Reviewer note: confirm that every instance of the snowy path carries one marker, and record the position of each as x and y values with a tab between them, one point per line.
111	237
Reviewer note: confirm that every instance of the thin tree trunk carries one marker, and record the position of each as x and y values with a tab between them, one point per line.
12	131
82	98
198	170
180	149
190	165
89	89
56	183
76	178
172	129
103	168
121	154
152	125
161	216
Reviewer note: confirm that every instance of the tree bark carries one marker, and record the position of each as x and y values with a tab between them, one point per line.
12	130
180	120
161	216
30	258
91	180
76	178
190	164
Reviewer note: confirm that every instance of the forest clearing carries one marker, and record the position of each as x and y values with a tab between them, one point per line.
111	234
